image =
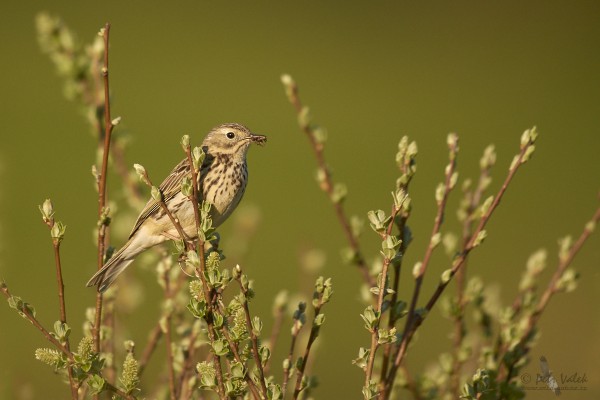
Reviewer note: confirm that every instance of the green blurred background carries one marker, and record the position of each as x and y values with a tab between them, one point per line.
371	72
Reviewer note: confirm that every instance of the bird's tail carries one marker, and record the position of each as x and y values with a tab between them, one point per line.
117	264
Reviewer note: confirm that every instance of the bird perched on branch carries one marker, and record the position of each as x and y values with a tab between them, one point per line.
222	181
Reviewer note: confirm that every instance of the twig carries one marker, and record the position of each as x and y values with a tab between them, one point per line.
25	312
194	198
154	337
123	171
109	343
288	363
311	338
474	200
439	218
380	297
275	331
458	263
549	292
63	311
188	360
108	128
403	218
49	220
253	338
37	324
237	357
156	333
326	183
168	338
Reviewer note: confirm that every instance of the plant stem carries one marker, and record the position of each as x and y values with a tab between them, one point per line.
288	364
56	343
327	186
108	127
168	338
551	289
311	338
275	331
254	340
382	292
403	218
63	311
474	200
237	357
194	198
456	265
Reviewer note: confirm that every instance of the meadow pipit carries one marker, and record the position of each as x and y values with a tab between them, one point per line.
222	182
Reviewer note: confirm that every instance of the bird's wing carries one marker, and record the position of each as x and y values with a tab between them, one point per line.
169	188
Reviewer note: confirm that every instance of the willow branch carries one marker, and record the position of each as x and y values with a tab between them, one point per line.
402	219
168	338
474	200
253	338
382	292
326	184
288	362
195	199
234	349
108	128
31	318
61	301
551	289
275	332
458	262
311	339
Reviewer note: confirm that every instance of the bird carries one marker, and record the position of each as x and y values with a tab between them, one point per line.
222	181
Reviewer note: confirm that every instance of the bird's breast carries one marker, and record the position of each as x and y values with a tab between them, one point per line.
223	187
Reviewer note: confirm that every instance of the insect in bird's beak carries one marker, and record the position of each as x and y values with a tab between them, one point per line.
258	139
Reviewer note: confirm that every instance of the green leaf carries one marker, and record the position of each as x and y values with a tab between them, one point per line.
61	331
363	357
220	347
96	384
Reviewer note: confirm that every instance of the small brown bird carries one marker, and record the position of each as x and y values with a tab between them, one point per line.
222	179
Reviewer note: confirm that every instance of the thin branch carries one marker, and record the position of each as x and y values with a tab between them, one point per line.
474	201
275	332
31	318
154	338
439	218
188	360
288	363
109	342
123	170
236	355
156	333
311	339
63	311
108	128
549	292
405	168
382	292
37	324
326	184
194	198
168	338
458	263
61	302
253	338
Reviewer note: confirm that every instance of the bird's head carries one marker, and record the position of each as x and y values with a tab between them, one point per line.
231	140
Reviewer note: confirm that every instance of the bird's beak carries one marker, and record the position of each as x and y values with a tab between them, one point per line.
258	139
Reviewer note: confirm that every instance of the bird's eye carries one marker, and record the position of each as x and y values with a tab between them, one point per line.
230	135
